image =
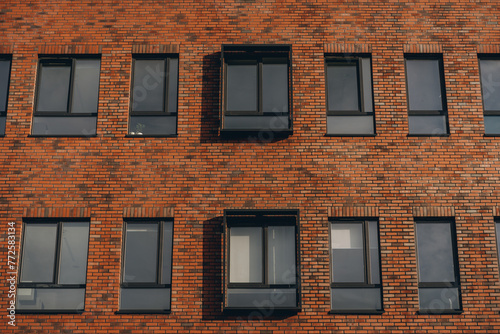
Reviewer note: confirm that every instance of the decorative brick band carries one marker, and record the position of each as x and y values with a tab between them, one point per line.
434	211
157	48
347	48
423	48
353	211
57	212
140	212
490	48
69	49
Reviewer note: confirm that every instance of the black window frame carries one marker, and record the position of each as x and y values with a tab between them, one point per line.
366	264
444	104
258	54
158	285
488	113
20	285
442	285
335	59
166	57
262	219
3	113
497	239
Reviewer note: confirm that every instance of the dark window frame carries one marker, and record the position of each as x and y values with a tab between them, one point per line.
444	285
44	285
158	285
262	219
366	264
259	54
5	57
496	220
64	60
487	56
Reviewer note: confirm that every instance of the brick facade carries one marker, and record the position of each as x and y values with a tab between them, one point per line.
196	175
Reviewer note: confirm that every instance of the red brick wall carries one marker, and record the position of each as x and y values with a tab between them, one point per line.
198	174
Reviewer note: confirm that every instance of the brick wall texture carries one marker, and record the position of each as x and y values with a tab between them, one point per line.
197	174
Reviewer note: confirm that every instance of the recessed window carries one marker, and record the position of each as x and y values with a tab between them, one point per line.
427	111
438	273
256	88
489	66
355	266
53	266
497	228
67	96
349	95
4	90
261	260
147	266
153	107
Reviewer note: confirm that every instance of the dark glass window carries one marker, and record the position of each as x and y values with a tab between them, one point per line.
355	263
489	66
256	88
147	266
153	106
261	259
427	110
439	282
53	266
349	95
4	90
67	96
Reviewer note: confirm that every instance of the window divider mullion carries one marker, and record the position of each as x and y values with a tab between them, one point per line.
159	251
361	100
166	75
260	93
57	260
71	86
265	263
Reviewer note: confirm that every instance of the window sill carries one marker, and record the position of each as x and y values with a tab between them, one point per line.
439	312
255	132
347	312
49	311
152	136
143	312
62	136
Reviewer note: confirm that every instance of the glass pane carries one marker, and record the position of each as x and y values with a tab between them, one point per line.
374	252
424	84
275	88
366	73
141	253
145	299
86	86
281	254
4	83
427	125
435	252
245	255
342	87
350	125
438	299
258	122
149	85
356	299
74	247
490	83
39	251
492	125
53	88
153	125
348	263
263	299
60	299
65	126
167	253
241	91
173	75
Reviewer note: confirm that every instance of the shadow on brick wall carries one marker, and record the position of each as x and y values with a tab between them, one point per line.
212	269
210	98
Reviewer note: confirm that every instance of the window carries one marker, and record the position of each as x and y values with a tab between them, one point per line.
349	95
153	107
497	228
261	260
355	264
438	276
4	90
256	88
427	112
147	266
67	96
53	266
489	66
